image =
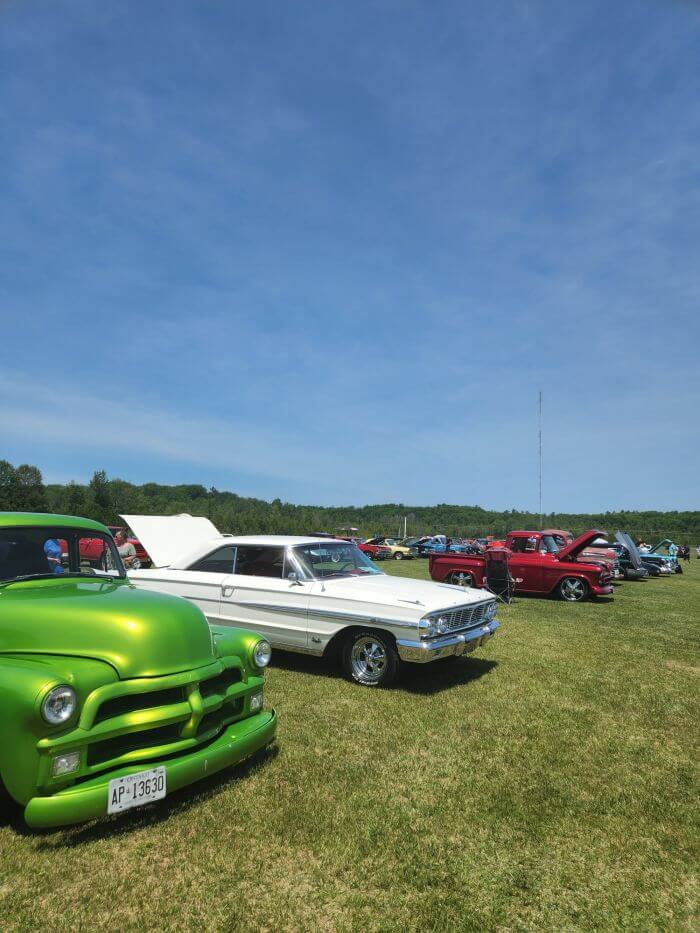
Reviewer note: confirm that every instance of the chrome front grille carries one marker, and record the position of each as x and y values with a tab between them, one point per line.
464	616
178	718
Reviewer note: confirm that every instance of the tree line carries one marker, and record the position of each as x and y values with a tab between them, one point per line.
22	489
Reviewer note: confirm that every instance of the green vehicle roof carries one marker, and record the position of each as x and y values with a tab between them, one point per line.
42	519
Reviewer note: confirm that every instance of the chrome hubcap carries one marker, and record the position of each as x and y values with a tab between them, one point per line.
462	579
573	589
368	660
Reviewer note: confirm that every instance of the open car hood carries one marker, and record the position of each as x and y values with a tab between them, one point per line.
167	537
578	544
624	539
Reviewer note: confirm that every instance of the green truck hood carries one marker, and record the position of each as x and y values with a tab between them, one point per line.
140	633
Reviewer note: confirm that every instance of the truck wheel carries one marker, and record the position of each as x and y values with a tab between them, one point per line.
399	556
461	578
370	659
572	589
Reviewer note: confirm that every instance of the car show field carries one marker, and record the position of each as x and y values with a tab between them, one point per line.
548	781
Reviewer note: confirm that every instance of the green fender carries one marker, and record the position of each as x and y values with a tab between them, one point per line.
24	682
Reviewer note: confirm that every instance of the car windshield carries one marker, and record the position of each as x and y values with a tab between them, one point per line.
32	553
334	559
549	545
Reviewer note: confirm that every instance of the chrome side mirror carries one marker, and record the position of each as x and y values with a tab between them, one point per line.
293	578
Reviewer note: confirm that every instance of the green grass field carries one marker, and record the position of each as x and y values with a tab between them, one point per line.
550	781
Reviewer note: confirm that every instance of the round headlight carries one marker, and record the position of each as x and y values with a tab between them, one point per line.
59	705
443	624
427	628
262	653
490	610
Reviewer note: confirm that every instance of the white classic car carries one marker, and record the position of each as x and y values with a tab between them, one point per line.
312	595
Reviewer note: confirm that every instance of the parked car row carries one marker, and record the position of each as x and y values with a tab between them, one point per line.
118	691
554	562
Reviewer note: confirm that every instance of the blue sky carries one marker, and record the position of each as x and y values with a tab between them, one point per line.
331	251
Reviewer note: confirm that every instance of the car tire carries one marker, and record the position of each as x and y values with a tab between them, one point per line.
572	589
370	659
461	578
398	556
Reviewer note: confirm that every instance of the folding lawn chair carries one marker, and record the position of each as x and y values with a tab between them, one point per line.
498	577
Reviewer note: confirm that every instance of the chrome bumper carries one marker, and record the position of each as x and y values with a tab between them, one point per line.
443	647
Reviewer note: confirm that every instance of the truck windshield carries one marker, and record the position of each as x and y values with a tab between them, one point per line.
334	559
32	553
548	545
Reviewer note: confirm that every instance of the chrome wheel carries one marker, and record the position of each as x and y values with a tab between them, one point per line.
398	556
368	660
461	579
572	589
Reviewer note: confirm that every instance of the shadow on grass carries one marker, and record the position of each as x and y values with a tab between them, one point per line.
413	678
427	679
540	597
140	817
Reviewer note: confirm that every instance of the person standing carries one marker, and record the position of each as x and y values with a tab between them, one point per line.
126	549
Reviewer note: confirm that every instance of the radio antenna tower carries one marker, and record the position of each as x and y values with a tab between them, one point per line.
539	438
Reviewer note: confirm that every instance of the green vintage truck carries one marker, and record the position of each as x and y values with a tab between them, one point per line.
111	697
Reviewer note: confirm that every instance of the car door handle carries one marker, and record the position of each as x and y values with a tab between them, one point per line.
227	590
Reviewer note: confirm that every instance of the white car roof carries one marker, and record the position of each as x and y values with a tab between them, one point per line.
279	540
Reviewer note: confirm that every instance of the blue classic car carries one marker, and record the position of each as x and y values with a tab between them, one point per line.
437	544
666	552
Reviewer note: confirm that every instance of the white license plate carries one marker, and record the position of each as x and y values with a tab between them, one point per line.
135	790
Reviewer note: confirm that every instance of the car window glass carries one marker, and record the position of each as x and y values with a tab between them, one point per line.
219	561
93	554
55	551
260	561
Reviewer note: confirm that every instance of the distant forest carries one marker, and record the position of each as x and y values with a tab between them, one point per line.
22	489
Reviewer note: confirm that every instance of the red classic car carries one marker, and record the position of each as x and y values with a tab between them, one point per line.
537	565
375	551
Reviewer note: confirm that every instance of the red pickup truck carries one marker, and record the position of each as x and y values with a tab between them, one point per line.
537	565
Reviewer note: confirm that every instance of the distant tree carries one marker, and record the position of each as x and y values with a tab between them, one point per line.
9	487
32	495
75	499
100	505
